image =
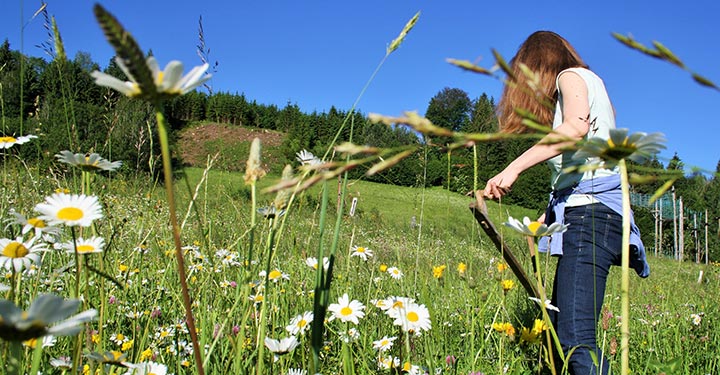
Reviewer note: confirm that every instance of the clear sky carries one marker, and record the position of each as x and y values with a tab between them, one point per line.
317	54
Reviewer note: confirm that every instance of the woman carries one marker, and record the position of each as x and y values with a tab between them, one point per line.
567	94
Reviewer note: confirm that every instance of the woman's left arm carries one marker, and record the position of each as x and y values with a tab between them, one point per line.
575	125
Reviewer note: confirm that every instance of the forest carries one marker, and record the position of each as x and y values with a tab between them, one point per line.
58	101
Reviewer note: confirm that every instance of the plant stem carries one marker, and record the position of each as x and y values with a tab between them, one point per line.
625	279
167	169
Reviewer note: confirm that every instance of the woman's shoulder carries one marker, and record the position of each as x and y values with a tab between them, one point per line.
591	79
582	72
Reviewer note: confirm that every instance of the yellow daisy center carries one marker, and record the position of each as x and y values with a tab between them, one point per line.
360	250
274	274
397	305
70	214
85	248
302	323
7	140
15	250
412	316
32	343
345	311
159	78
534	226
37	223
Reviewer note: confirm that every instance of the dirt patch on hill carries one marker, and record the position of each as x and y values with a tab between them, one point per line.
196	143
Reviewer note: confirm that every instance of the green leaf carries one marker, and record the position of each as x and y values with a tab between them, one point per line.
630	42
467	65
503	65
659	192
704	81
667	54
126	49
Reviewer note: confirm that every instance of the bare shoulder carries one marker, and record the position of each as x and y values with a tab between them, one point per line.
571	82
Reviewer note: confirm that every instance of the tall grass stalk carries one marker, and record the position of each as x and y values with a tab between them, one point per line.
170	195
625	275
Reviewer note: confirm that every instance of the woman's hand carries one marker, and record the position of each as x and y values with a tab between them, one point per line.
500	185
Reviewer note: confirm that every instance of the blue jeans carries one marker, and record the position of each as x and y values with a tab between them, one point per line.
591	244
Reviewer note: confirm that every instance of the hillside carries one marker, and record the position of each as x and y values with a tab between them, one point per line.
232	143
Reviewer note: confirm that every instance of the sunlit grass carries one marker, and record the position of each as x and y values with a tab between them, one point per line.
673	314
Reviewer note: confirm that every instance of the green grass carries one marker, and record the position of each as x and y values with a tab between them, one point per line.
140	298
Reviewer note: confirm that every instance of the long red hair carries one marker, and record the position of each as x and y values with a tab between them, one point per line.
546	54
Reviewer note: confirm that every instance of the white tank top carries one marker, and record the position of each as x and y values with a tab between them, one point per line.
602	119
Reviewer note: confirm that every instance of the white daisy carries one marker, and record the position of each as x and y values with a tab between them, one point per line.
70	209
275	275
548	305
413	318
346	310
85	246
282	346
395	273
393	304
38	226
384	343
18	255
63	363
9	141
147	368
300	324
88	162
534	228
351	335
313	263
169	82
307	158
293	371
361	252
388	362
46	309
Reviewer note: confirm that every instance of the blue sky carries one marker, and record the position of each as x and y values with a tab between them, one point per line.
321	53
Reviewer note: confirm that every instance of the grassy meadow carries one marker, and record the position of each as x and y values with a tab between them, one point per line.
248	282
204	272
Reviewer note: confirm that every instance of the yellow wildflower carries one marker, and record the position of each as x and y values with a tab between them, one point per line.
438	271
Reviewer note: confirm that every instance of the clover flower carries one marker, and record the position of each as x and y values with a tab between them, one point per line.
19	325
9	141
636	147
88	162
534	228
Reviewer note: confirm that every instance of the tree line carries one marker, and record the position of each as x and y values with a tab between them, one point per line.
59	102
